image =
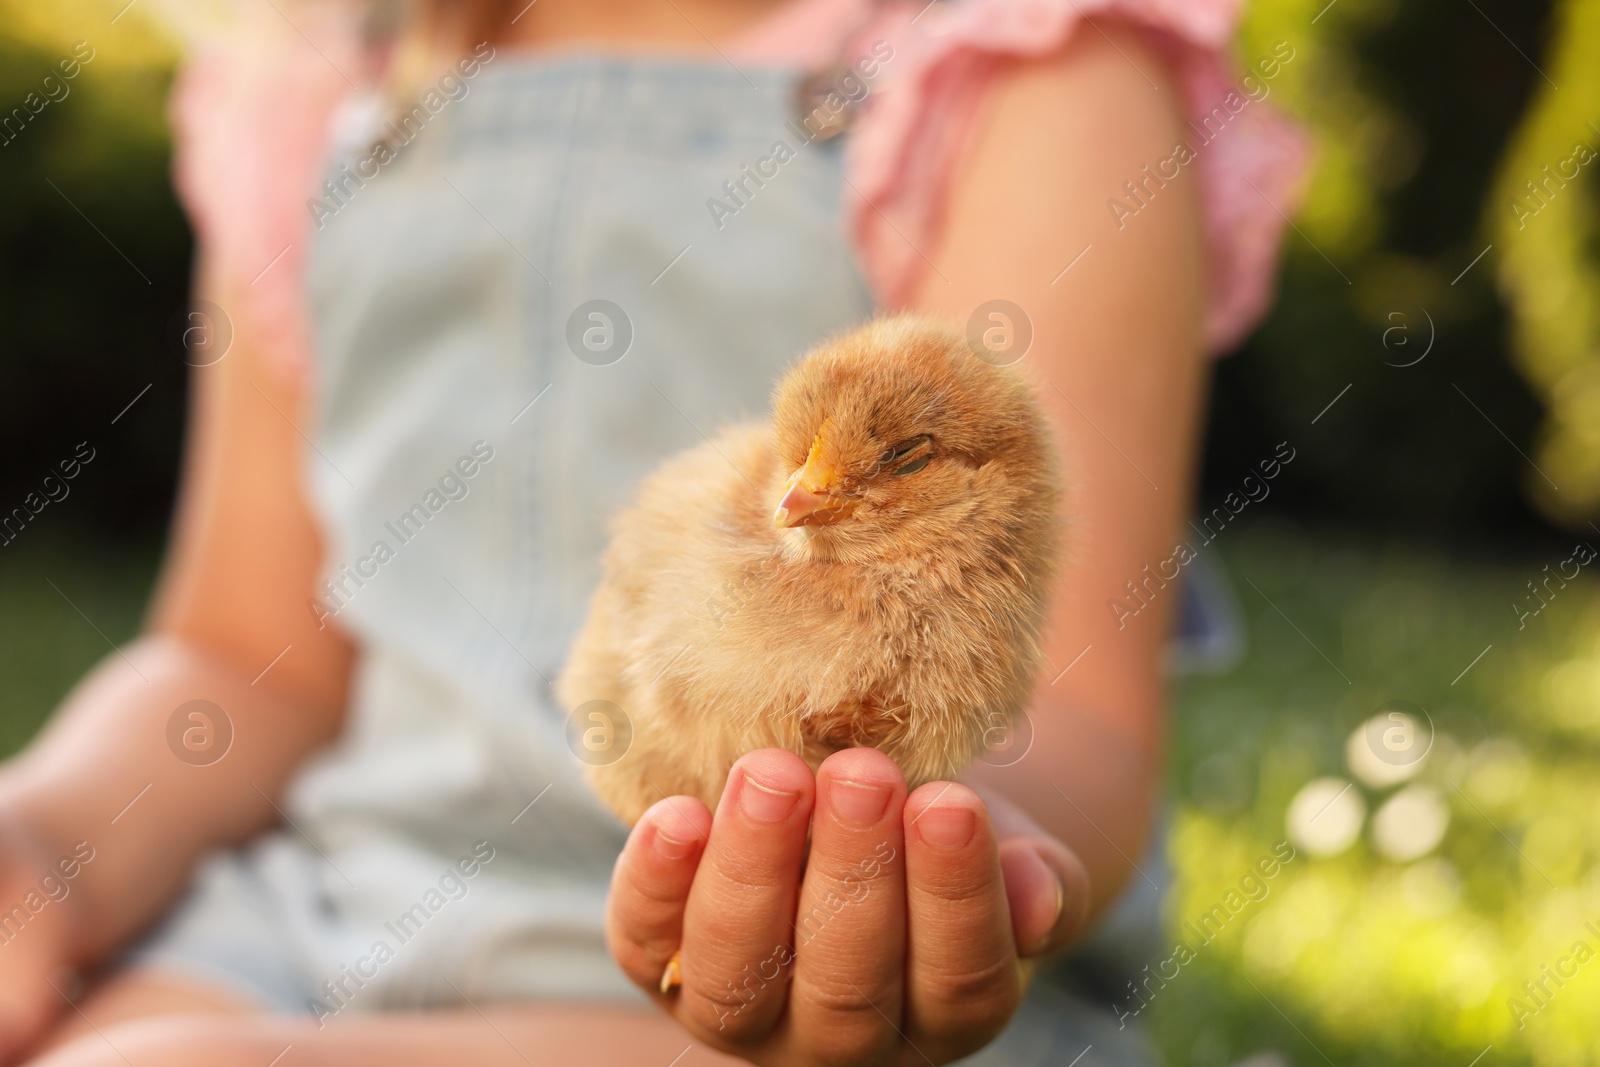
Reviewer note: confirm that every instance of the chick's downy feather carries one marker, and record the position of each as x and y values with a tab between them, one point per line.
870	568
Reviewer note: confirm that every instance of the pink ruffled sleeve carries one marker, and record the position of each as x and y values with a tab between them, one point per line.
920	114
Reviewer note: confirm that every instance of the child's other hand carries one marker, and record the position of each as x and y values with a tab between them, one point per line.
35	941
906	939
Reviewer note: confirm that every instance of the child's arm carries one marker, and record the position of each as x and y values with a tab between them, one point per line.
1117	348
232	597
912	932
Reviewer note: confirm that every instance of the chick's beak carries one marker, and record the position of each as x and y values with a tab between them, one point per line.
810	496
802	507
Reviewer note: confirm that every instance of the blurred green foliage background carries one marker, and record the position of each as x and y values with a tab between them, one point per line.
1422	504
94	272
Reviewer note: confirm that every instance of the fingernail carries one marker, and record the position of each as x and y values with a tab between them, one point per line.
1044	875
1055	920
671	847
949	827
858	803
764	804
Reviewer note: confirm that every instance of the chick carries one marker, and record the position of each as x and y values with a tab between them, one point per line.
870	568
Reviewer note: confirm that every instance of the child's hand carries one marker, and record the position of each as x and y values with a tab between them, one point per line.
905	939
35	954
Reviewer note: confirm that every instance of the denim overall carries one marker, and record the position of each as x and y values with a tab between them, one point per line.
525	311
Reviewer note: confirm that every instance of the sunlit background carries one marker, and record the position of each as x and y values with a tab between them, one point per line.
1415	704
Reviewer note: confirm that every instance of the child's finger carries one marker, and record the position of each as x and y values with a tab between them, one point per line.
962	978
850	937
737	925
1047	889
1047	885
644	920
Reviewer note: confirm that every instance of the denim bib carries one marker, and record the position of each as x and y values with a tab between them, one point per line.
570	274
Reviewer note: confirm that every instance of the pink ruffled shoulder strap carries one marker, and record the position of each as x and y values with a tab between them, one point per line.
251	114
918	117
253	109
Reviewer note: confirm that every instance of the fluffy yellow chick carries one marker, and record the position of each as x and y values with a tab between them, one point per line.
871	568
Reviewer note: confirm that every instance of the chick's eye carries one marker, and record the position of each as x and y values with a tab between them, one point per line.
905	448
909	456
913	467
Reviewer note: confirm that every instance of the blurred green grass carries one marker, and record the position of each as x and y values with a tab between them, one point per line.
1354	958
46	645
1351	959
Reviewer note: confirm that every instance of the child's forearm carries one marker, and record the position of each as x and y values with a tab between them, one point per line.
121	773
1092	788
